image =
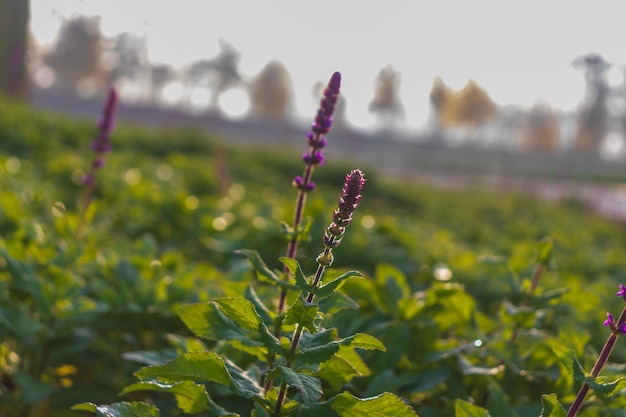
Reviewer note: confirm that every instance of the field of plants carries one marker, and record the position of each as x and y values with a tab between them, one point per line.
163	296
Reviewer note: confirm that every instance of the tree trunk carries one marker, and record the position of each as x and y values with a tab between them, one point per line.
14	18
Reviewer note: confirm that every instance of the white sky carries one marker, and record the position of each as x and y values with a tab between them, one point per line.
519	51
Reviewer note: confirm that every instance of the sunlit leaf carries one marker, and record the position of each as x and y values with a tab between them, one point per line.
384	405
123	409
191	366
551	406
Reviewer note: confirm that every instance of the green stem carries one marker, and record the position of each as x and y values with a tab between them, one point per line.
597	367
297	334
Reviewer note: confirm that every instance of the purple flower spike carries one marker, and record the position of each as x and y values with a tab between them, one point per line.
610	321
105	126
348	202
622	291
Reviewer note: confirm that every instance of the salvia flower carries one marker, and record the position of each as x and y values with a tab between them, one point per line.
321	126
610	322
101	146
348	202
622	291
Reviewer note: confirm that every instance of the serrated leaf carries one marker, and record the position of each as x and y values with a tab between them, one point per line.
123	409
263	311
341	368
384	405
263	272
322	353
465	409
190	397
297	274
241	311
550	406
606	389
570	362
242	384
191	366
303	314
207	321
310	388
328	289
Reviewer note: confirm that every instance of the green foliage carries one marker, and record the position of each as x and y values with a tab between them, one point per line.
439	315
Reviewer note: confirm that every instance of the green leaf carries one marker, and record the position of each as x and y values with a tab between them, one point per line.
544	251
242	384
551	406
384	405
303	314
241	311
191	366
263	311
310	388
190	397
297	274
606	389
465	409
498	402
328	289
207	321
570	362
341	368
322	353
262	271
123	409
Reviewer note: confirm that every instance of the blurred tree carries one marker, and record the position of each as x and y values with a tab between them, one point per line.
14	17
593	113
386	102
218	74
471	106
541	129
160	75
271	92
128	62
75	56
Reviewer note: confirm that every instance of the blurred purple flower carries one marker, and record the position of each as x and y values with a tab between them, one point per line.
622	291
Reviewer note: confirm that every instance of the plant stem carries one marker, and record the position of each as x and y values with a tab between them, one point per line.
297	334
600	362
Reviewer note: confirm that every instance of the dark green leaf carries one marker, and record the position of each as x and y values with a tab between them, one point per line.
262	271
310	388
123	409
206	320
242	384
191	366
322	353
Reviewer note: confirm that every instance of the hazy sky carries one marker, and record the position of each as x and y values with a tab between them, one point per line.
520	52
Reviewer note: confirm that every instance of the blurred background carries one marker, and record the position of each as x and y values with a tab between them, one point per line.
449	87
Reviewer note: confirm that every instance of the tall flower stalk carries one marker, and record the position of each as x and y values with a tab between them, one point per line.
348	202
618	328
312	157
100	146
